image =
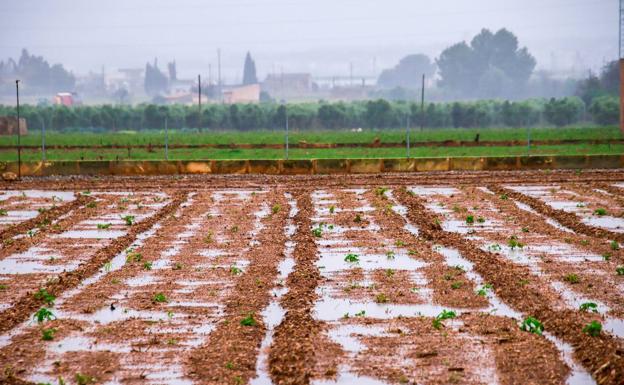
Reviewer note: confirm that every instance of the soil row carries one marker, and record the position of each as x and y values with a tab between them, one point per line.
602	355
27	304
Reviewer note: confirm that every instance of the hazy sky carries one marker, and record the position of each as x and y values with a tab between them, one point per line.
318	36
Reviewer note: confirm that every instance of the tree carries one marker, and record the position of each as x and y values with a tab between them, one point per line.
492	62
155	81
173	72
249	71
408	72
605	110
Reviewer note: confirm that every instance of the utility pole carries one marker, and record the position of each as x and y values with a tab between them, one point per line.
407	133
219	73
19	134
286	114
199	118
422	105
621	57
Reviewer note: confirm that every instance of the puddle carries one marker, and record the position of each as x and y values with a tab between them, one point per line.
548	220
333	260
606	222
91	234
578	376
429	191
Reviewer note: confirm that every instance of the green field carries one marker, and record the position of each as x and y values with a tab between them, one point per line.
268	137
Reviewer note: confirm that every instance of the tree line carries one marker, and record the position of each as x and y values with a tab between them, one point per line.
373	114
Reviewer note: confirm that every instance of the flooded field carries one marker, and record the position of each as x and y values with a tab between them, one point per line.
437	280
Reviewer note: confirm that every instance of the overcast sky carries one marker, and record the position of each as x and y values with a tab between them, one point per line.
318	36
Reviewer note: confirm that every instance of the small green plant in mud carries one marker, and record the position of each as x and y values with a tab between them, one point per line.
513	242
483	291
470	219
446	314
495	247
414	290
276	208
600	212
129	219
44	314
133	256
593	328
412	252
381	191
389	273
249	320
208	237
606	256
3	287
172	341
580	205
589	307
361	313
381	298
177	266
480	220
332	209
92	205
390	255
48	334
229	365
103	226
234	229
525	229
357	218
399	243
460	269
456	209
147	265
615	245
238	380
159	298
108	266
43	295
352	258
234	270
41	210
584	242
532	325
31	233
3	213
504	197
572	278
619	270
83	379
457	285
317	231
124	200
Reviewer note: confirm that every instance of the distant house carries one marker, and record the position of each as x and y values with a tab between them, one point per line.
8	125
287	84
242	94
66	99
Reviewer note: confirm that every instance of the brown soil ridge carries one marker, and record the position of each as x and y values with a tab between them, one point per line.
292	354
603	356
28	304
569	220
232	349
45	218
46	227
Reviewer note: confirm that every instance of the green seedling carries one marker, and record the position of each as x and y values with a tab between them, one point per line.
584	242
169	314
593	328
357	218
172	341
389	273
600	212
234	229
31	233
504	197
399	243
103	226
619	270
159	298
318	232
129	219
381	298
108	266
414	290
606	256
361	313
390	255
86	192
481	220
589	307
572	278
43	295
513	242
92	204
446	314
352	258
44	314
532	325
229	365
41	210
580	205
525	229
83	379
276	208
332	208
249	320
470	219
381	191
48	334
235	270
177	266
495	247
615	245
3	213
3	287
208	237
456	209
412	252
147	265
457	285
133	256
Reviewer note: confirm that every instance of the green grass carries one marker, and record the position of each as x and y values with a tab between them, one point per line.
322	136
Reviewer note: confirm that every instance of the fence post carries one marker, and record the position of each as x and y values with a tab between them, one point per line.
166	139
43	149
286	113
407	129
